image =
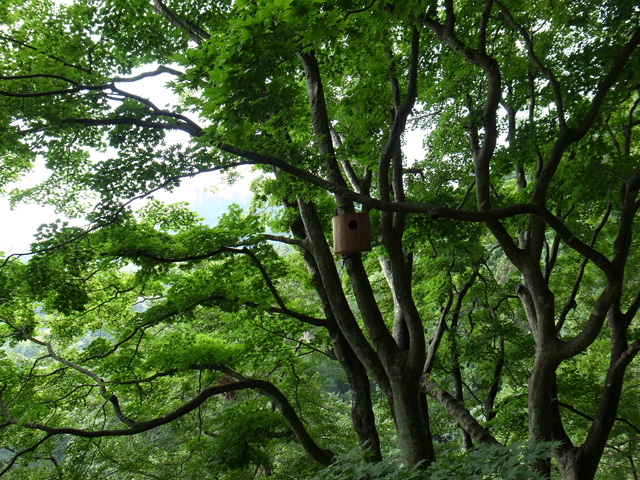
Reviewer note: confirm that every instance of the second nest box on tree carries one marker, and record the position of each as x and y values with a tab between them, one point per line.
351	233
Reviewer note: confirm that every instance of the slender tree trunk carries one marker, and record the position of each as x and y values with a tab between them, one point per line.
399	331
582	463
411	417
489	402
467	443
397	371
540	397
362	416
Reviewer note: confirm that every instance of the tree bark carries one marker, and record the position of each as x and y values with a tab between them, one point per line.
460	414
362	416
411	418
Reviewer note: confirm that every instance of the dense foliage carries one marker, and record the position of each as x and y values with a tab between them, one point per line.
492	338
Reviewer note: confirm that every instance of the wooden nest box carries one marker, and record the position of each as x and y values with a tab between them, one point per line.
351	233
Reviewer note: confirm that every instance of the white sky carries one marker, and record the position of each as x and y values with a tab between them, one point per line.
206	193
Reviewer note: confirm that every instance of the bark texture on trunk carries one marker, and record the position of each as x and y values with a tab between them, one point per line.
411	417
362	416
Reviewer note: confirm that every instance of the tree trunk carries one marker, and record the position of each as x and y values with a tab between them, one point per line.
575	464
411	417
540	397
582	463
362	416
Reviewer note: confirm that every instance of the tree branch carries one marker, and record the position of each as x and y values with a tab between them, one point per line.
568	135
570	303
548	74
286	240
590	418
52	57
319	454
17	455
319	117
196	34
159	70
460	414
99	381
482	30
434	343
265	275
39	75
186	126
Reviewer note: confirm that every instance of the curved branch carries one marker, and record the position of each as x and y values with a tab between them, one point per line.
196	34
128	337
51	93
569	136
460	414
265	275
317	322
361	10
633	308
548	74
188	127
286	240
589	417
17	455
139	253
52	57
38	75
159	111
158	71
96	378
189	258
269	390
30	375
627	356
607	82
570	303
319	454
